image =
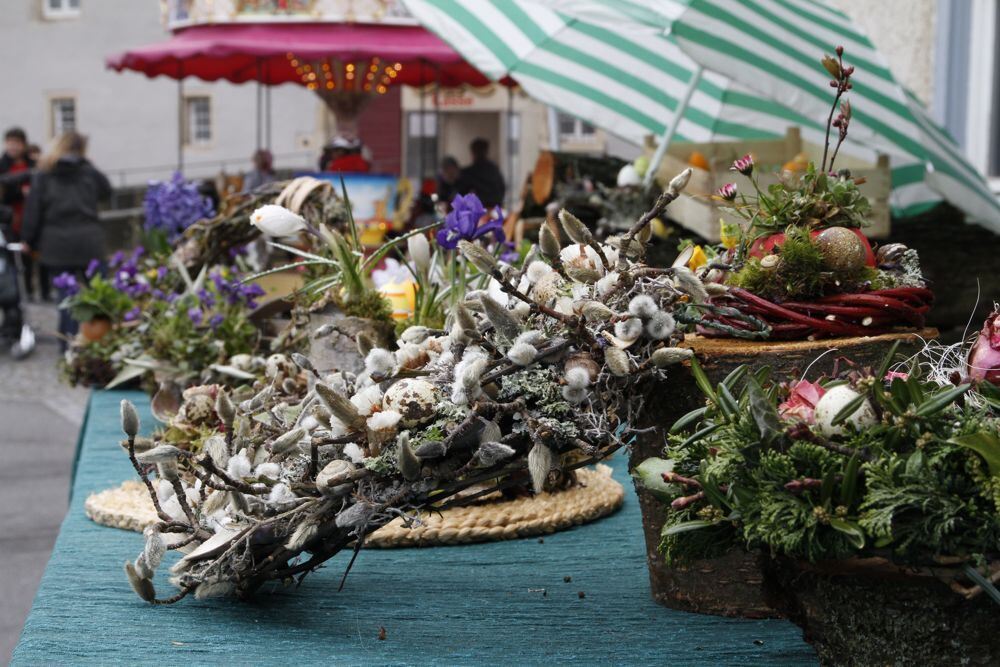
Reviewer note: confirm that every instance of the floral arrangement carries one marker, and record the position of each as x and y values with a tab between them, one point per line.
799	262
535	375
163	323
173	206
896	464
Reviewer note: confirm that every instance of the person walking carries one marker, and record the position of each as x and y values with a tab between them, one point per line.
16	165
482	177
60	218
262	172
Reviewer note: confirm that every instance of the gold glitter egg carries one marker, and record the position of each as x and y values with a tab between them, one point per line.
842	249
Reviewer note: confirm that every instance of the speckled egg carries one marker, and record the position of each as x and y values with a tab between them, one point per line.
842	249
413	398
832	402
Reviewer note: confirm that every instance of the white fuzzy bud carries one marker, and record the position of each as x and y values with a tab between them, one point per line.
478	256
643	306
420	252
617	361
522	354
679	182
574	395
540	462
287	442
629	330
130	419
660	326
578	377
574	228
667	356
159	454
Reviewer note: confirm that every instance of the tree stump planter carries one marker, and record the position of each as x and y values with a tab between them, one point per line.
870	612
339	351
733	585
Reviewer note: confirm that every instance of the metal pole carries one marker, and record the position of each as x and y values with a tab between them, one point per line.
668	134
510	139
259	105
423	129
437	118
180	118
267	93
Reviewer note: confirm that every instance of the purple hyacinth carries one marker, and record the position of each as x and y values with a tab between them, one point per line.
66	282
463	223
172	206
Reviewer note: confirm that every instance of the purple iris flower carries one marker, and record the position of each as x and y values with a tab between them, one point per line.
132	314
463	222
195	315
66	282
92	268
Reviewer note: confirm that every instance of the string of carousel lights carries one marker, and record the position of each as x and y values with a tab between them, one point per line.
369	75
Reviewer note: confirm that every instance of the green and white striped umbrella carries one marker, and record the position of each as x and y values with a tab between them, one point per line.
620	65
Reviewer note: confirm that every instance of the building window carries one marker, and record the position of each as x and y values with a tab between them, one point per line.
60	9
197	120
572	128
63	115
421	145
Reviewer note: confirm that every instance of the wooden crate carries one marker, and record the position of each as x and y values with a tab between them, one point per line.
696	211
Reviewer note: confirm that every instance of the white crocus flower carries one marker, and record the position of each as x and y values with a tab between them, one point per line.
277	221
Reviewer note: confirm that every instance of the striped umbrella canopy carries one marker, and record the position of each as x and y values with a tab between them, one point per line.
629	67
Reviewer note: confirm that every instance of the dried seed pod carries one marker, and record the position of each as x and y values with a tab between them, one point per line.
667	356
287	442
364	343
408	463
340	406
540	462
142	587
574	228
687	282
585	362
464	318
595	311
617	361
225	409
159	454
679	182
548	243
130	419
155	548
335	478
500	318
478	256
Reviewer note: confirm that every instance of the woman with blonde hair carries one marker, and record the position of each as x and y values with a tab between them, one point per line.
60	218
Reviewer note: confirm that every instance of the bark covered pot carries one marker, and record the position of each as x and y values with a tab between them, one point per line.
871	612
733	584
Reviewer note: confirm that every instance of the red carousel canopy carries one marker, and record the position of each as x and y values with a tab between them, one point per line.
277	53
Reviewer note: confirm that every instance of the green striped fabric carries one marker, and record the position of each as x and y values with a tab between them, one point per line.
623	64
772	46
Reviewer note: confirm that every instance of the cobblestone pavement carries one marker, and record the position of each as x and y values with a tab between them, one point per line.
39	422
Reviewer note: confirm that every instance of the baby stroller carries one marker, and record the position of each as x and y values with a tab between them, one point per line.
15	334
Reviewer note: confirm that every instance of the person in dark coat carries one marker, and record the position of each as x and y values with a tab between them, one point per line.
16	165
482	177
60	219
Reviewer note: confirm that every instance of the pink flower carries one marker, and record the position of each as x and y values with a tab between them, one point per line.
892	375
727	191
801	402
984	358
744	165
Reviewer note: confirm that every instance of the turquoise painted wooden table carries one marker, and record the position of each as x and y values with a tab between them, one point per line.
500	603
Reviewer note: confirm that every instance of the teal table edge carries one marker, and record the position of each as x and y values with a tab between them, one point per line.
495	603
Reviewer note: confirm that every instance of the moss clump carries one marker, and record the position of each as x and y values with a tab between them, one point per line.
801	273
369	304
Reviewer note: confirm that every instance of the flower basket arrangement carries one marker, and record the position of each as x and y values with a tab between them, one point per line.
798	262
530	378
870	495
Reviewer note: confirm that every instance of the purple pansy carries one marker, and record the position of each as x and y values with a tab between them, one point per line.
195	315
92	268
66	282
463	223
132	314
216	321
